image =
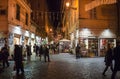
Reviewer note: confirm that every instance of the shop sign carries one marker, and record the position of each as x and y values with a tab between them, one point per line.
85	33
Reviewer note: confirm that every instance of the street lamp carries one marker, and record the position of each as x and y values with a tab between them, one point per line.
67	4
72	21
50	30
71	16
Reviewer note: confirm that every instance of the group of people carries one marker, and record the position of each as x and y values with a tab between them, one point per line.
42	50
18	56
112	54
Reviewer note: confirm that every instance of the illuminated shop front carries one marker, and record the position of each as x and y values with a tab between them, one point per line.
38	40
26	37
106	37
103	44
89	46
88	42
15	37
16	40
15	34
92	45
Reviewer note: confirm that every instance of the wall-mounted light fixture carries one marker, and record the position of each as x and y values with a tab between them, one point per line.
67	4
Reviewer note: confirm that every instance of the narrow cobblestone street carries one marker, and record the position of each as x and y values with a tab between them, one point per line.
62	66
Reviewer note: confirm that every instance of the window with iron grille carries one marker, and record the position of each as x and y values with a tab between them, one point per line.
17	12
93	14
3	12
26	19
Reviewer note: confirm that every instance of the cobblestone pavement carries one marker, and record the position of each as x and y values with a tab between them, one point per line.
62	66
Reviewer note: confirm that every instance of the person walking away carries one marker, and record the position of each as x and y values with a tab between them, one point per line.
77	50
116	58
28	49
18	60
108	59
46	53
36	48
40	51
5	55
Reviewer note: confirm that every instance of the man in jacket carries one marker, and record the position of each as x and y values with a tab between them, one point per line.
46	52
116	57
5	55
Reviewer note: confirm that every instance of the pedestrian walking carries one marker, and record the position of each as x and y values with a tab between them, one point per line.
5	55
28	49
40	51
108	59
77	51
18	60
36	49
46	53
116	57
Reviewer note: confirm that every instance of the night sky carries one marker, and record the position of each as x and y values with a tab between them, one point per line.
54	6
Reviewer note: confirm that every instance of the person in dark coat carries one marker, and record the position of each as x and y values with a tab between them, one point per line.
18	59
108	59
28	49
36	49
46	53
5	55
40	51
77	50
116	57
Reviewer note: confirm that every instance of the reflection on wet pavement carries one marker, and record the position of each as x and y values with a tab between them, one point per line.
62	66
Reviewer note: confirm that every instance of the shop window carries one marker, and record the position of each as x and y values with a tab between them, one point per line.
93	47
104	43
33	16
17	12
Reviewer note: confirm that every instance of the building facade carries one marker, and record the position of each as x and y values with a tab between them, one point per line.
15	22
39	15
97	27
70	20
